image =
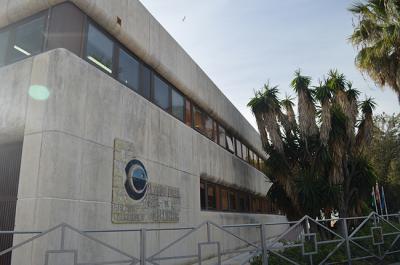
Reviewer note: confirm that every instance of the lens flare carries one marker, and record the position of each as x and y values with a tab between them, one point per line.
39	92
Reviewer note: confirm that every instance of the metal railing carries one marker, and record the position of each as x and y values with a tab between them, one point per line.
372	239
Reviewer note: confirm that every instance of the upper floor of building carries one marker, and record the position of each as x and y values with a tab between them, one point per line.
122	39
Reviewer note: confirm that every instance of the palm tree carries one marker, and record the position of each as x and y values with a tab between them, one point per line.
376	36
317	164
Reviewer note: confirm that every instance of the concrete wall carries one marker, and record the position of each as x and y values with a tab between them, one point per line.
67	158
146	37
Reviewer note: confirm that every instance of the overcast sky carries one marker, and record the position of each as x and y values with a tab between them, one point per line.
241	44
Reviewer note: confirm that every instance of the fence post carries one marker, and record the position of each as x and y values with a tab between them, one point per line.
263	248
346	237
143	246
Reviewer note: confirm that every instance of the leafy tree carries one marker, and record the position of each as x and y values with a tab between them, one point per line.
377	36
384	154
316	161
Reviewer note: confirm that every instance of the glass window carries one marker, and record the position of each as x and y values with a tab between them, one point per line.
239	149
224	200
178	105
215	132
243	202
229	144
211	200
128	70
28	39
161	93
245	151
251	157
202	195
222	138
99	49
208	124
145	81
256	205
232	201
4	39
188	113
198	121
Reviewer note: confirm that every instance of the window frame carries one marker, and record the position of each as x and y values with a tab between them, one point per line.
174	89
116	61
152	93
12	28
89	22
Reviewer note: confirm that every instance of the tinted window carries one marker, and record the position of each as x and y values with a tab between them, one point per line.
208	124
229	144
232	200
161	93
145	81
243	203
99	49
4	38
28	39
245	153
224	200
128	70
215	132
221	133
198	121
251	158
202	195
178	105
188	113
239	148
211	201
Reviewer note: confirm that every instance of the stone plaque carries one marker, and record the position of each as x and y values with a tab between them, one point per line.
159	203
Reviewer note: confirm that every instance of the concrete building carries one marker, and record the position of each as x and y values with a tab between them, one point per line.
106	122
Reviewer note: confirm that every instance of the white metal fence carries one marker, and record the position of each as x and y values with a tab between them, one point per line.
372	239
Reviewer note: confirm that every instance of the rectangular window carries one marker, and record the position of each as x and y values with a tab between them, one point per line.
211	200
215	131
198	121
256	205
128	70
251	157
208	126
229	144
245	151
99	49
232	201
221	136
28	39
224	200
4	39
239	149
145	81
243	202
203	195
188	113
178	105
161	93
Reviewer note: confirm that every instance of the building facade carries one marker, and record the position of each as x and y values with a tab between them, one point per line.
107	123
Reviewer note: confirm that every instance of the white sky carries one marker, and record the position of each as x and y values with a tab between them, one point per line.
241	44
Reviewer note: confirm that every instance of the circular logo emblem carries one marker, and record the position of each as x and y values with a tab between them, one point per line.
136	179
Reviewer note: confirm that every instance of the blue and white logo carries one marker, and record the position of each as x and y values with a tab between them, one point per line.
136	180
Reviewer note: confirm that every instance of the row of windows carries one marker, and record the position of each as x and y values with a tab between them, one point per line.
101	51
220	198
27	38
